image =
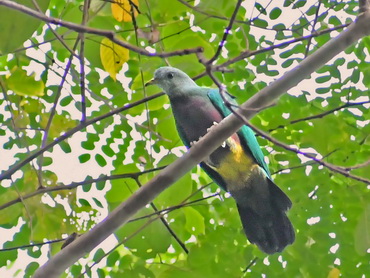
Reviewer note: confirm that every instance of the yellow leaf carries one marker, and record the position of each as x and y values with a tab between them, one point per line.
112	56
121	9
334	273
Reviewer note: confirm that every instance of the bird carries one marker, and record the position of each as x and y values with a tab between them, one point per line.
237	166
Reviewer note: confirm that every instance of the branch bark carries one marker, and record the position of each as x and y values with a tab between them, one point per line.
84	244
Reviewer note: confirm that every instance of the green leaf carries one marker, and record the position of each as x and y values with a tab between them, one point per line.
25	85
47	161
101	160
145	242
98	203
84	157
17	27
260	23
113	258
65	147
122	188
99	254
31	268
84	202
323	79
194	221
362	232
178	191
275	13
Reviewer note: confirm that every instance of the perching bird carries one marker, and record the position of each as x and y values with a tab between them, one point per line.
237	166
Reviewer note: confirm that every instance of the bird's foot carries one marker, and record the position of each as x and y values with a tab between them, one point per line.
212	126
229	143
193	142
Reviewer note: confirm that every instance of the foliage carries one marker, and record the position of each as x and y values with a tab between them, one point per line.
49	95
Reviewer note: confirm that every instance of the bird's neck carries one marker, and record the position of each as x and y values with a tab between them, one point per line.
184	92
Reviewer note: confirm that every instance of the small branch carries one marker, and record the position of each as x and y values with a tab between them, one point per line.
104	33
313	27
249	53
361	165
157	213
251	264
226	33
330	166
31	245
321	115
82	60
164	221
302	165
74	185
52	114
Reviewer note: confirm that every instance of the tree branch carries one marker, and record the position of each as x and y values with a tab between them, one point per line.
204	147
104	33
73	185
323	114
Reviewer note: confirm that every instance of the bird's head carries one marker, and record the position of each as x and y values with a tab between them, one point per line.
172	80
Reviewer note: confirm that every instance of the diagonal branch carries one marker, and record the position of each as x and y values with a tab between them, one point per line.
204	147
323	114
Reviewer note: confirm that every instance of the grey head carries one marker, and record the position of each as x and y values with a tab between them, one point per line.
173	81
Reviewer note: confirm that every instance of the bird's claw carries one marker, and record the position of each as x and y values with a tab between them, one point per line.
193	142
213	125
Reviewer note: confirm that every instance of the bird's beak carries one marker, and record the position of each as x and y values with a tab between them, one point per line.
150	82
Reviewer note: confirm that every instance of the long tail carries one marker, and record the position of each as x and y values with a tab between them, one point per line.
270	229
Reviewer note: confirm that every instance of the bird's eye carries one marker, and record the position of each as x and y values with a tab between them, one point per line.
170	75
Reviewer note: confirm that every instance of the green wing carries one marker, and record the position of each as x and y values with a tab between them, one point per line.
246	135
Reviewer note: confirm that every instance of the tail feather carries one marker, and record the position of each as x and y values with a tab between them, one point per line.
271	231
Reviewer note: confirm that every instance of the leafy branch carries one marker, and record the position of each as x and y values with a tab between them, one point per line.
7	174
104	33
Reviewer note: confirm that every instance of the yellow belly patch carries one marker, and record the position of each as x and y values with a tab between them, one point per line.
236	167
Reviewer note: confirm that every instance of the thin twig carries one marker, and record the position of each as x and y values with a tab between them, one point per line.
226	33
249	53
321	115
74	185
31	245
164	221
251	264
313	28
82	60
40	159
